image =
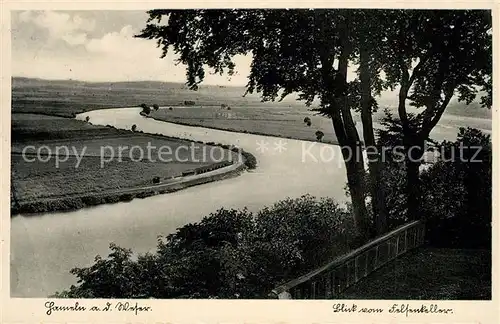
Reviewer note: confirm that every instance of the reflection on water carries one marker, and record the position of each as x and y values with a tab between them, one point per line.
46	247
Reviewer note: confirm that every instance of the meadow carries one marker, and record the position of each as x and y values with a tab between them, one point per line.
35	180
98	165
66	98
279	121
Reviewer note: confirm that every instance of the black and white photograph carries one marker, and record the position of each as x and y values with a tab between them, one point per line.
265	154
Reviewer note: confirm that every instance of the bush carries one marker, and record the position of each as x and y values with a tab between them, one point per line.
319	135
134	128
156	107
228	254
71	204
92	200
250	160
145	194
146	110
126	197
112	199
457	194
156	180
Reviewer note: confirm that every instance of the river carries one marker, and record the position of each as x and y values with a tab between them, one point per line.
45	247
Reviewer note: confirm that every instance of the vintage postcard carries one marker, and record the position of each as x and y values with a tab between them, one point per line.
249	163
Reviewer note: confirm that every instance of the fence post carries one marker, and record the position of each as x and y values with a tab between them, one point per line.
397	245
366	263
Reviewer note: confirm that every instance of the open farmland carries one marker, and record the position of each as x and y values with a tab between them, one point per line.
33	180
55	157
280	121
129	146
66	98
36	127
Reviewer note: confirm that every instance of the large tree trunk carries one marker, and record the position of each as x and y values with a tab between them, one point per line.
355	176
414	146
334	100
351	149
413	189
379	208
357	190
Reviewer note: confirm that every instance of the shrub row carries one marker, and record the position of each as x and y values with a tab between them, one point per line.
68	204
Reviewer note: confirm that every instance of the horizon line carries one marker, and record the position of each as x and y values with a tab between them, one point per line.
125	81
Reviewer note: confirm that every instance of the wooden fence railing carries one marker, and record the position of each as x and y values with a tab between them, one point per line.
330	280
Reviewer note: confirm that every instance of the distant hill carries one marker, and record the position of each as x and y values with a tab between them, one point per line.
67	97
129	85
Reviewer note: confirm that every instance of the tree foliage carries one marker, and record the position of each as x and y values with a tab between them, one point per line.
457	192
145	109
229	254
429	56
293	51
319	135
432	56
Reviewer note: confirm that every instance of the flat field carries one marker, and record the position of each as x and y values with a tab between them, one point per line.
66	98
94	159
35	127
35	180
279	121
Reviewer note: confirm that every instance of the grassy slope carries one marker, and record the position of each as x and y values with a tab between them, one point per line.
429	273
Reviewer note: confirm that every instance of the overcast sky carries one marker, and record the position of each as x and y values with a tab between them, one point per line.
95	46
